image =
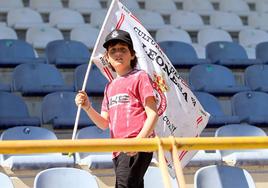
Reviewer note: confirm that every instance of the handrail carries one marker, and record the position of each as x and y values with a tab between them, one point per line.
133	144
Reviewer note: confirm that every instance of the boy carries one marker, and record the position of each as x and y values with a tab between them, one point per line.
128	108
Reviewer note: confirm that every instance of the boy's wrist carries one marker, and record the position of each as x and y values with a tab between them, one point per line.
87	109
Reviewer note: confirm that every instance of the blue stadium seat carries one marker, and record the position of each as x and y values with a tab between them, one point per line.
32	161
229	54
153	178
215	79
212	105
24	74
5	87
261	51
96	81
14	111
251	107
59	109
217	176
242	157
98	160
5	181
14	52
181	54
65	177
67	53
256	77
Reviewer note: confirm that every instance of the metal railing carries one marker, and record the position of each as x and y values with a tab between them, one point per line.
127	145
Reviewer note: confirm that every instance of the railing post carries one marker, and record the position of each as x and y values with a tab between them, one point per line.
163	164
177	164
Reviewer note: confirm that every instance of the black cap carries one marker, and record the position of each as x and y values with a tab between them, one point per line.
119	35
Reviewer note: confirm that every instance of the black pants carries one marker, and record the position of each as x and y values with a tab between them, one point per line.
130	171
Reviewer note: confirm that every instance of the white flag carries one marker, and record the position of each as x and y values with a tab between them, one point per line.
180	113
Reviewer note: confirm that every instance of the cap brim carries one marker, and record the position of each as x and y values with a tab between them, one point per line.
106	44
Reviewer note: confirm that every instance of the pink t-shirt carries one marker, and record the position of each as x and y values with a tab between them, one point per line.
124	100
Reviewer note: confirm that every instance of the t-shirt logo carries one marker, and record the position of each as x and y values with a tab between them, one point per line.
122	98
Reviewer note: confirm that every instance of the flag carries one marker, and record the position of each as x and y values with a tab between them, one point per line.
180	113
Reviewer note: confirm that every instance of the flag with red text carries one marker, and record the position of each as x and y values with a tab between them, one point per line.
180	113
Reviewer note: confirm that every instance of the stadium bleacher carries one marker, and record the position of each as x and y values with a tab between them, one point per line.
219	47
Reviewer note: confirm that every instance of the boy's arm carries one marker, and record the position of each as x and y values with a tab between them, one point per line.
101	120
152	117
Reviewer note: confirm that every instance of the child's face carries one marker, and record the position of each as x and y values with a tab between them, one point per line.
120	57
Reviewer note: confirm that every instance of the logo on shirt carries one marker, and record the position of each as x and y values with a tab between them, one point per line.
122	98
160	86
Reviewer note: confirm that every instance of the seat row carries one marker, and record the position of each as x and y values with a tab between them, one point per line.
217	176
39	79
216	79
170	5
59	110
104	160
39	37
175	43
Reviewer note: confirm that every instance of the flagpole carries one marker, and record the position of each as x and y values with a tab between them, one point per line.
89	68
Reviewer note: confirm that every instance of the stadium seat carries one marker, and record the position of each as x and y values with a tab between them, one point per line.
65	177
32	161
14	52
202	7
252	37
152	21
97	17
172	34
84	6
24	74
208	35
261	6
181	54
205	157
250	107
256	77
163	7
227	21
200	50
2	23
45	7
189	21
65	19
96	81
5	87
86	34
5	181
132	5
258	20
39	37
64	110
242	157
24	18
14	111
229	54
212	105
9	5
153	178
67	53
261	51
7	33
215	79
218	176
94	160
240	7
